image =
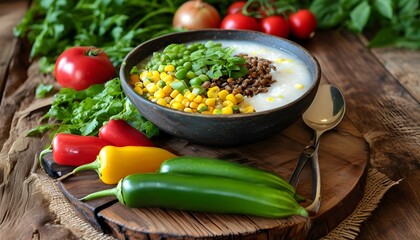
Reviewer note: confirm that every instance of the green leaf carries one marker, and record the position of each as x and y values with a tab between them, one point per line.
84	112
407	7
329	13
359	16
383	38
384	7
39	131
42	90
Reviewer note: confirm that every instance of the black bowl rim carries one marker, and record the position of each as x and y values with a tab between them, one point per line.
197	115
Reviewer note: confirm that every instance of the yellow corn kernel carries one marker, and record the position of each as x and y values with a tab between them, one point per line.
211	93
174	93
206	112
210	102
151	87
187	109
167	89
222	94
193	105
228	103
215	89
161	102
139	84
155	76
169	68
159	94
229	80
217	111
179	98
247	109
190	96
168	79
186	102
152	99
163	75
230	97
145	75
145	90
139	90
167	99
239	98
299	86
146	82
198	99
202	107
177	106
210	109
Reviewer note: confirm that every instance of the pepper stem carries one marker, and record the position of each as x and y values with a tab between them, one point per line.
95	165
100	194
43	152
116	192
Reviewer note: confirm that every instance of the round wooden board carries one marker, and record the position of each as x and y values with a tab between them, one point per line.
343	156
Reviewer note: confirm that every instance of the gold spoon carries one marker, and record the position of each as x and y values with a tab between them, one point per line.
325	113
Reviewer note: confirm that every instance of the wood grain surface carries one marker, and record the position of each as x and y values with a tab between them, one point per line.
380	85
343	156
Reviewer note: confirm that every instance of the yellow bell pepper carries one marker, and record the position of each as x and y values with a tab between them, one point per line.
114	163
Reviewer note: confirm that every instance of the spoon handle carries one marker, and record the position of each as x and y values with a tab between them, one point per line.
304	157
316	186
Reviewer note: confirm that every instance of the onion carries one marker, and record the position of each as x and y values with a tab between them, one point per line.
196	14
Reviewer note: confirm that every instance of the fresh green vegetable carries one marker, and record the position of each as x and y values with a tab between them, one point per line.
210	59
84	112
215	167
203	194
115	26
393	23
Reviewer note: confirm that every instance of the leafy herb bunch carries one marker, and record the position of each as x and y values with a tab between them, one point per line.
116	26
392	22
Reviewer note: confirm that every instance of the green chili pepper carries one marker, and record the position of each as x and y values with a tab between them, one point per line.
215	167
202	194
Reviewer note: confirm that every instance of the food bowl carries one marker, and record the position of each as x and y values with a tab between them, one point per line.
220	129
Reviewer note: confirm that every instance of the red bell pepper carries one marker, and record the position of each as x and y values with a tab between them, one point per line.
119	133
75	150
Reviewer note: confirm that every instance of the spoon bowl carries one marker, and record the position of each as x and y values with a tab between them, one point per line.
326	112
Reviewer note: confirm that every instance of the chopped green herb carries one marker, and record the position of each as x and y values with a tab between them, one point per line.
84	112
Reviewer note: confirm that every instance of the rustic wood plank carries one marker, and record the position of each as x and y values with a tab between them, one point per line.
402	64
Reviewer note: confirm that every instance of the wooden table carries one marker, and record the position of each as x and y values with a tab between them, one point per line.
381	87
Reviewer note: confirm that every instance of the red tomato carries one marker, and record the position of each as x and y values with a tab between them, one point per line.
275	25
302	24
81	67
235	7
239	21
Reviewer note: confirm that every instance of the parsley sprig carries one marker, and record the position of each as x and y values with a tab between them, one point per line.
84	112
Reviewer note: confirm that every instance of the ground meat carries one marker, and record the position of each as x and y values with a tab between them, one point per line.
256	81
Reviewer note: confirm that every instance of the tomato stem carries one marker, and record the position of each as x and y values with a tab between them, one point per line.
93	52
265	8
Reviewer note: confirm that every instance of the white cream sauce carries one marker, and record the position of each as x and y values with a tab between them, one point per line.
292	76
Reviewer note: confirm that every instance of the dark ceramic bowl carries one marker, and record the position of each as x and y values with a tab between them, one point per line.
220	130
